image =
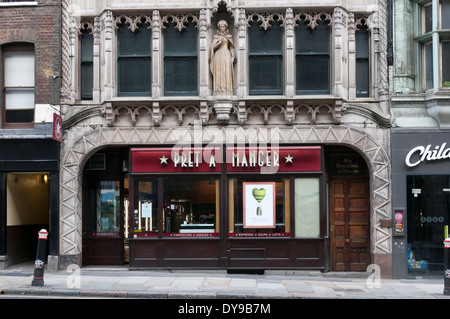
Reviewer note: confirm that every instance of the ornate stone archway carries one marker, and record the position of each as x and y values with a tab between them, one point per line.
81	143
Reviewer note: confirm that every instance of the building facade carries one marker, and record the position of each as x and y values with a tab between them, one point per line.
225	135
420	107
30	49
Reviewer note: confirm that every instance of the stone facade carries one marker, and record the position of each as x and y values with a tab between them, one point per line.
338	118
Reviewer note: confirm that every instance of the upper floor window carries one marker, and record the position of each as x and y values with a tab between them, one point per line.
180	58
362	60
265	51
87	69
18	85
312	47
435	43
134	59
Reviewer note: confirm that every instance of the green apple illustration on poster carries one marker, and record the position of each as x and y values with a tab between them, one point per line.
259	204
259	195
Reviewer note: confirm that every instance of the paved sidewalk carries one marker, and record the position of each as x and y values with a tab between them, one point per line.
110	282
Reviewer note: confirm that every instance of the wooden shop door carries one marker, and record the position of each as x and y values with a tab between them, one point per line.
349	224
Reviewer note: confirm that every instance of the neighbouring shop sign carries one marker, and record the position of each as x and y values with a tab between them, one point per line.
427	153
237	159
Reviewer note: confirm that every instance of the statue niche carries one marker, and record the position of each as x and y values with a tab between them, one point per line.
222	59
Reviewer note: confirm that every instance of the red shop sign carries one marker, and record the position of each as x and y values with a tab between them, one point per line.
237	159
176	160
274	159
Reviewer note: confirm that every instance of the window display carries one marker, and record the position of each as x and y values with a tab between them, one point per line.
259	208
107	207
191	207
146	212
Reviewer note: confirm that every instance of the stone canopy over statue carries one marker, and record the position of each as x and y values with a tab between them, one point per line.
222	58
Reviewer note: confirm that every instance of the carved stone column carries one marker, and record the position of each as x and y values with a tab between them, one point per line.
290	53
351	57
107	63
156	55
203	55
242	66
96	61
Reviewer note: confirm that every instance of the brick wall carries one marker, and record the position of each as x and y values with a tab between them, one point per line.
40	25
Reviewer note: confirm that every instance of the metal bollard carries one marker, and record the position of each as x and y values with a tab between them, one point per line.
446	265
38	279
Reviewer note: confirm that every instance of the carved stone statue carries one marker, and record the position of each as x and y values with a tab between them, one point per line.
222	58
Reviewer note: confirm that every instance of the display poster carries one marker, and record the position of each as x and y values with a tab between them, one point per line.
259	204
147	210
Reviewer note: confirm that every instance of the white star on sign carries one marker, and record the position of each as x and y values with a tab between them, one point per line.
289	158
163	159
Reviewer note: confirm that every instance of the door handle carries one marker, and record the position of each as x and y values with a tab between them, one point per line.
347	240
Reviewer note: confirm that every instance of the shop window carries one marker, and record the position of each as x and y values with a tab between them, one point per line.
134	67
307	207
312	58
107	199
428	213
362	61
180	60
259	208
265	58
146	212
191	207
18	85
87	59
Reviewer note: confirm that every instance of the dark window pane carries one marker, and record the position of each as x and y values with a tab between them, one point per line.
309	41
87	78
87	56
445	14
19	116
445	64
180	60
265	75
135	43
268	41
428	66
87	46
313	59
182	43
265	58
362	61
428	18
362	42
313	74
134	61
362	77
135	77
180	76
